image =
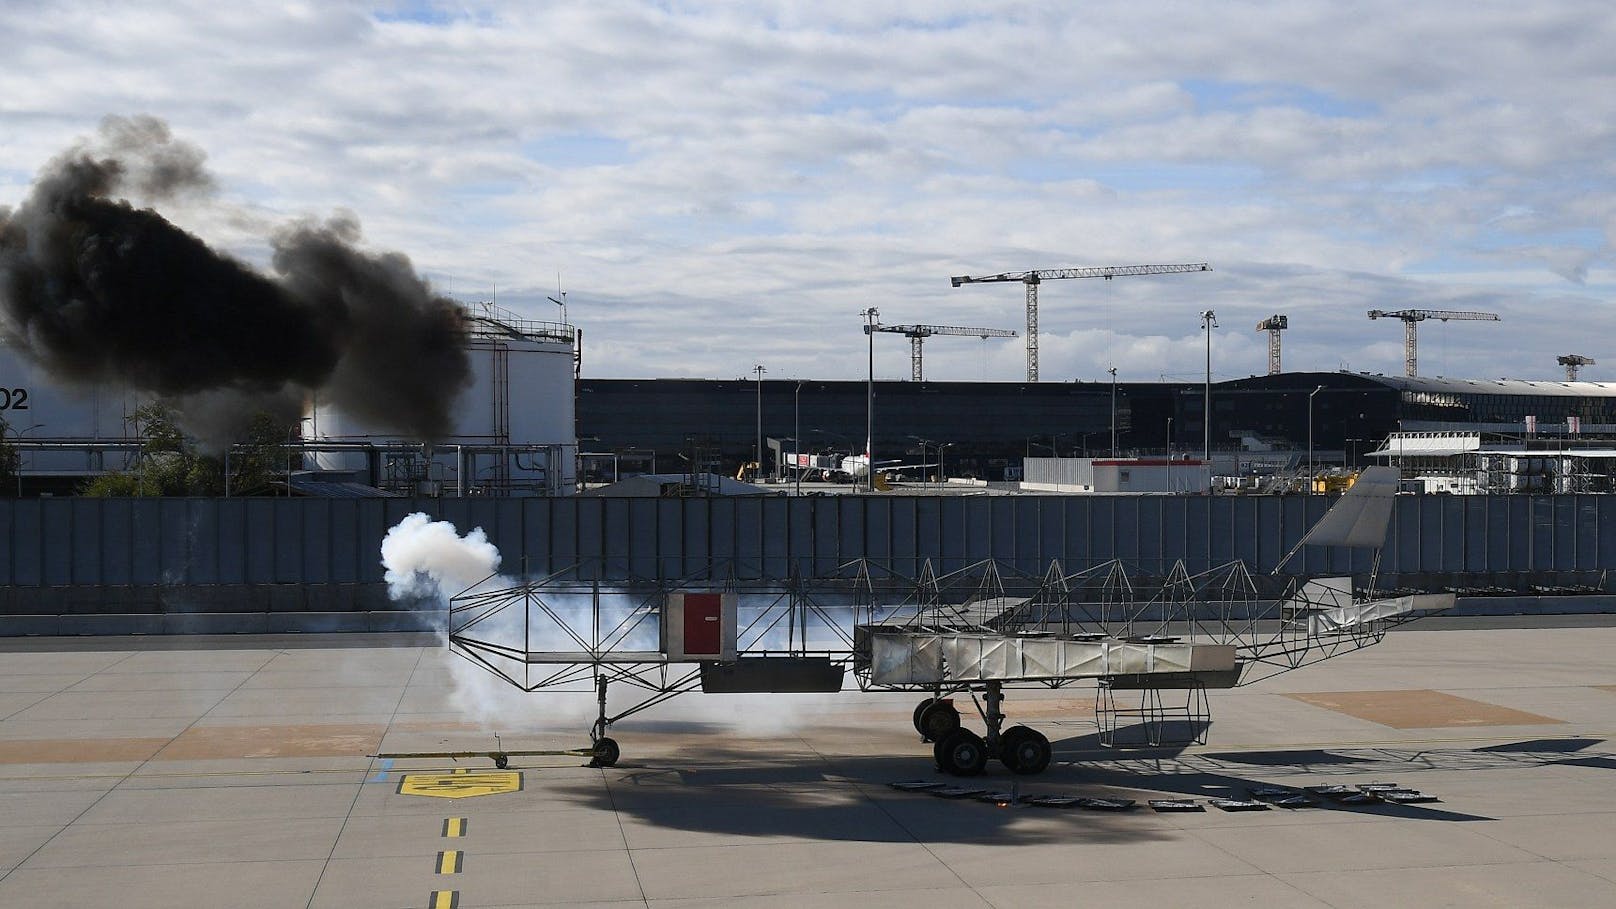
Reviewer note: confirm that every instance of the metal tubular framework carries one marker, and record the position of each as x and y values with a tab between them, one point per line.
1036	276
567	631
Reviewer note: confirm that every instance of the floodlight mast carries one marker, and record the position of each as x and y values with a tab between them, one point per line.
1037	276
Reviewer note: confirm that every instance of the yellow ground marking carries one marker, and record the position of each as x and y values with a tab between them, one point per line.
1419	709
461	784
454	826
450	861
444	899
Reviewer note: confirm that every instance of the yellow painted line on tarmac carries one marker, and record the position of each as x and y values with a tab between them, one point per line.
454	826
460	784
451	861
444	899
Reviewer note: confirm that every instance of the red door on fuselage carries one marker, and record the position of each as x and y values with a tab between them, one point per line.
704	623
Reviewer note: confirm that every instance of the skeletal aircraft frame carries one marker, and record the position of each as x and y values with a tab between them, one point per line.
576	629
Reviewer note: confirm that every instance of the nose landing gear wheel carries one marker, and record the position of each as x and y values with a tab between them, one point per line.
606	752
962	753
1025	751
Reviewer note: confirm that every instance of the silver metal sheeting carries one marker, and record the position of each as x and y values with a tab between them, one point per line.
1348	617
921	658
1360	517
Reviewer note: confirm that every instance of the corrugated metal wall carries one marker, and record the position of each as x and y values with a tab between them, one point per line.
72	542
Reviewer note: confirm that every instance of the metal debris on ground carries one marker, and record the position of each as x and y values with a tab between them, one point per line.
1094	804
1175	805
1282	798
1239	804
1054	801
1406	796
916	785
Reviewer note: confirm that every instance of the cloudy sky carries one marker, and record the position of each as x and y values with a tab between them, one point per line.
718	185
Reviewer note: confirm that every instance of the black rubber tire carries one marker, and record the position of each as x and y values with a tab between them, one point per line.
963	753
606	752
1025	751
938	721
1009	747
502	761
919	709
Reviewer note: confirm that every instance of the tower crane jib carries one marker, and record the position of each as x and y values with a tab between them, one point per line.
1037	276
917	334
1412	317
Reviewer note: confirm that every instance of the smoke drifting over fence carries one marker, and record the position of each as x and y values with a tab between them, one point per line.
97	289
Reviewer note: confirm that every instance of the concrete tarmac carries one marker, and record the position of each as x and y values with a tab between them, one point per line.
149	772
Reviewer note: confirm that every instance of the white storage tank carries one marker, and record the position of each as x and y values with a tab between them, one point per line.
40	409
514	429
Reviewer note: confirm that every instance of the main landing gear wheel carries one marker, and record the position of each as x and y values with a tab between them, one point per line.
962	753
606	752
936	719
920	708
1025	751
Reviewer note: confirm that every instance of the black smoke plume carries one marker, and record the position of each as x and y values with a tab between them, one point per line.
97	289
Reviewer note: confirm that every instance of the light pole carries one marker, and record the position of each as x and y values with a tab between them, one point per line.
17	435
1209	321
796	435
924	445
1169	455
1113	372
870	316
759	371
1310	470
941	473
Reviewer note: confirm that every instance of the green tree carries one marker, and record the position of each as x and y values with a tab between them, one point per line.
169	464
10	461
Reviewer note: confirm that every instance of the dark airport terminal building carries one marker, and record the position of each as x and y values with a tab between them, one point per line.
983	428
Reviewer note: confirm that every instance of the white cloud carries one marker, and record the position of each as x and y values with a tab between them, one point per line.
722	184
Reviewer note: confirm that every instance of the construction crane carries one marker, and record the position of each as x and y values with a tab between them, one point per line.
917	335
1574	362
1033	278
1413	317
1273	325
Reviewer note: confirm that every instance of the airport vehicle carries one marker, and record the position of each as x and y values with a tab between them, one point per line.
1144	639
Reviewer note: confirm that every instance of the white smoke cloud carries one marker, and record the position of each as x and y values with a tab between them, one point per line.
427	558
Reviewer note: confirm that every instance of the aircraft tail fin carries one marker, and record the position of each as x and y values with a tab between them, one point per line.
1359	518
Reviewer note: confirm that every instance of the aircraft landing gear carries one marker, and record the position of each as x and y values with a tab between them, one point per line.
962	752
606	752
603	749
1025	751
935	718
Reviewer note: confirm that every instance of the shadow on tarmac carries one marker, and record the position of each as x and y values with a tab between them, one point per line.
745	791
